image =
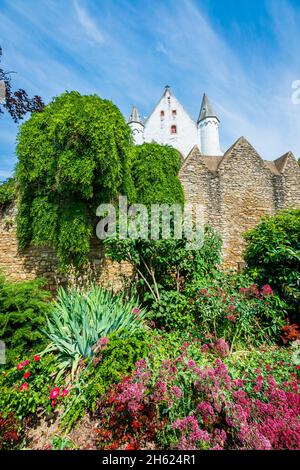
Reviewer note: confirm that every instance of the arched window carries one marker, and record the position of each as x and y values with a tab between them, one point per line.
174	112
173	129
162	114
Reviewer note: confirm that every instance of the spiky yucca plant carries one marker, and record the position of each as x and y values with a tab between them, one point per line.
79	319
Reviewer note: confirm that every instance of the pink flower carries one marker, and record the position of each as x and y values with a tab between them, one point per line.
54	393
103	342
24	386
26	362
36	358
65	392
231	308
191	363
203	291
176	392
20	366
204	348
136	311
26	375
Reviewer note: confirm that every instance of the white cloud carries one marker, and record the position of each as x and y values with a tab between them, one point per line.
90	26
5	174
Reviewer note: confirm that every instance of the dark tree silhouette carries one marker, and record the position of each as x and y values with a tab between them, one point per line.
17	103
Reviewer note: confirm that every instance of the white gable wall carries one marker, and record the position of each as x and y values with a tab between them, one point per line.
158	127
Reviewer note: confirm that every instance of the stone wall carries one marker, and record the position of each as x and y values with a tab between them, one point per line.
235	192
42	262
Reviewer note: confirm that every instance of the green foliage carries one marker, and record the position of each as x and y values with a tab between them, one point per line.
166	265
23	308
154	170
273	255
27	402
268	360
80	319
72	156
7	192
173	311
116	360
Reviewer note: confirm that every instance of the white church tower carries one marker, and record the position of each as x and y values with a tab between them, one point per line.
169	123
136	125
208	125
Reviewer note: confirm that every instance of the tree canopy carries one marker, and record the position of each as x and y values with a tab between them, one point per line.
72	157
154	170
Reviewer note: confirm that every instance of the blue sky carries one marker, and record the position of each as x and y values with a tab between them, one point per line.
244	54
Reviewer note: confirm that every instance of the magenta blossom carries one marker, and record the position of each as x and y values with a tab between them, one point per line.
54	393
136	311
103	342
266	290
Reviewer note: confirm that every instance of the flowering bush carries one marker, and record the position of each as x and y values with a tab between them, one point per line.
27	388
240	314
112	360
290	333
178	403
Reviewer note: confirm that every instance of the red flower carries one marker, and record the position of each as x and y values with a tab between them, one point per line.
65	392
231	317
37	358
130	447
26	362
26	375
24	386
53	403
231	308
20	366
54	393
135	424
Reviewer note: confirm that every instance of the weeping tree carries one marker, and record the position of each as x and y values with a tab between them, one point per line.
72	156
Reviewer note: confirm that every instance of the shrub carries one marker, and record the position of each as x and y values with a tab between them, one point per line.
23	308
172	311
166	265
79	320
273	255
246	315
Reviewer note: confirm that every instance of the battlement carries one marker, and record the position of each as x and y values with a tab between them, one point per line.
238	189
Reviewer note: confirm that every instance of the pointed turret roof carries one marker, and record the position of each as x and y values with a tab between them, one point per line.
135	116
206	109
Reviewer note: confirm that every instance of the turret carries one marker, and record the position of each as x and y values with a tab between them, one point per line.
208	127
136	125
